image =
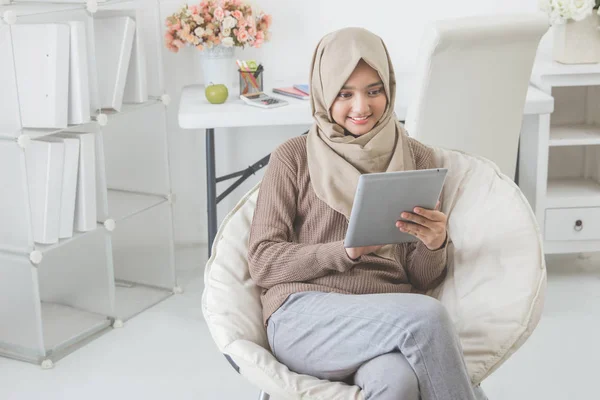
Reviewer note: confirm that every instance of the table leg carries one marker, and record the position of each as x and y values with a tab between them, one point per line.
211	188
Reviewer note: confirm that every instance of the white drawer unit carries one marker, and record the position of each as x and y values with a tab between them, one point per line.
573	223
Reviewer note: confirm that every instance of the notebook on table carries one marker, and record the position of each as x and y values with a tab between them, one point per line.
303	88
291	92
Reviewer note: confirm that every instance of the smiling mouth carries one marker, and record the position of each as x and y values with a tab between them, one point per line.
360	120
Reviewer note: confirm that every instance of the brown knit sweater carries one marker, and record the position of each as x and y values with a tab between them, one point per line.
296	240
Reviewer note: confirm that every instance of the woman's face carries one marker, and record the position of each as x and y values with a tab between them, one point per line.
361	102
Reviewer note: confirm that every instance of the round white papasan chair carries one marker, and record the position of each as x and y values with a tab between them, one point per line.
494	289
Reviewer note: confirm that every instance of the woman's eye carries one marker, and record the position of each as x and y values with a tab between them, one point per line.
375	92
344	95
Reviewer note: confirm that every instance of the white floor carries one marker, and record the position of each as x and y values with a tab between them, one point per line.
167	352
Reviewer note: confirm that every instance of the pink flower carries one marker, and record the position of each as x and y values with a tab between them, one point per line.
258	43
242	35
219	14
176	27
267	19
200	47
241	23
260	36
252	31
237	14
178	43
204	4
194	10
237	2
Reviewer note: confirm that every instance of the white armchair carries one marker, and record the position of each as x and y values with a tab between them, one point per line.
494	288
472	79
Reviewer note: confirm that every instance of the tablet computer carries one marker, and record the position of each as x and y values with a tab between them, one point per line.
381	198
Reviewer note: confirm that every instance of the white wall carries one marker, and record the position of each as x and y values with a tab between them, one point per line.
297	27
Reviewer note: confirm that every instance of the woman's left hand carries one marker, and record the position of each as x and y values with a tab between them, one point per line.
429	226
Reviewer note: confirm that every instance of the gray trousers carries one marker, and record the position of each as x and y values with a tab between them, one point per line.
393	346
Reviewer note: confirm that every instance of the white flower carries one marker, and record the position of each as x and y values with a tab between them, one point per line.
226	32
199	31
229	22
559	11
545	5
227	42
581	9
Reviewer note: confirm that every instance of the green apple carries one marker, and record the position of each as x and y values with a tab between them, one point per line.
216	94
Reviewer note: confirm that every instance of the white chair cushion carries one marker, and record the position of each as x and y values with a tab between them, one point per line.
493	291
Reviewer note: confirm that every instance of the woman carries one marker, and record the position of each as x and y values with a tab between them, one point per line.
358	314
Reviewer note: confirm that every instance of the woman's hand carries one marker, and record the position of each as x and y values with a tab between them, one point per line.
355	252
429	226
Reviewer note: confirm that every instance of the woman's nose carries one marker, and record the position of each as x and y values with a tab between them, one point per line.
360	105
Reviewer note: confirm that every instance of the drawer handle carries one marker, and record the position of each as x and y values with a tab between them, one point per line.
578	225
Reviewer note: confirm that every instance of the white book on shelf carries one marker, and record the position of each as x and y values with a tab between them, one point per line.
113	39
101	185
42	64
85	197
45	160
69	187
136	86
10	122
79	89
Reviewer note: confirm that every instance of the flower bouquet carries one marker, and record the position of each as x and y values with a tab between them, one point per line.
211	23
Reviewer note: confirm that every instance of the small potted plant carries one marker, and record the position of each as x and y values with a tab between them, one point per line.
214	28
576	26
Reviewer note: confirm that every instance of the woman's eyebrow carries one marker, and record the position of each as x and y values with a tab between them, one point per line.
368	86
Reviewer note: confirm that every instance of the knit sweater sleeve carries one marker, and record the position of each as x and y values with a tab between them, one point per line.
274	257
426	268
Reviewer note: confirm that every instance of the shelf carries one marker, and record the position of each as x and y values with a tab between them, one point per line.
548	73
44	248
574	135
64	326
36	133
133	298
571	193
91	126
122	204
129	108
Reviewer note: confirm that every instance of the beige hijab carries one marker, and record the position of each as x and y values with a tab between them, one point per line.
335	161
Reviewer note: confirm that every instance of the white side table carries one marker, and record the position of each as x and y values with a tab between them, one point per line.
560	157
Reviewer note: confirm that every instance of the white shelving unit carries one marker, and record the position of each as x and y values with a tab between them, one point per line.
54	298
560	157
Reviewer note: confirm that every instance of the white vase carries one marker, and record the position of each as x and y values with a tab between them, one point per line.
578	42
216	65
